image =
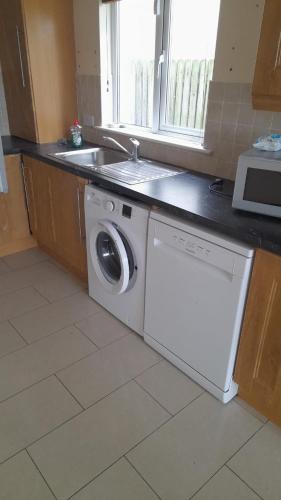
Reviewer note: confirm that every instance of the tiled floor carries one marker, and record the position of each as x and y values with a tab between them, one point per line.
90	412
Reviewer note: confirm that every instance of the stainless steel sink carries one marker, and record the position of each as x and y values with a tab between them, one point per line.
116	165
91	158
135	172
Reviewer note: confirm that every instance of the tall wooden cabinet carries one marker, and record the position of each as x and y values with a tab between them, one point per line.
258	367
14	228
37	56
266	90
55	201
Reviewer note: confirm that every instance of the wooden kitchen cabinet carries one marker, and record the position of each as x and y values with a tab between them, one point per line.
266	92
14	228
68	202
38	63
258	366
56	208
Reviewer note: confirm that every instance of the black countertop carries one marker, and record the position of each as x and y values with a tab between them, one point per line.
186	196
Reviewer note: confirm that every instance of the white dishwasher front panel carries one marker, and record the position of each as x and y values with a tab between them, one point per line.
195	296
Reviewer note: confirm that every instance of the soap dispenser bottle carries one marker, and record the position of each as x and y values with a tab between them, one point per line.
76	134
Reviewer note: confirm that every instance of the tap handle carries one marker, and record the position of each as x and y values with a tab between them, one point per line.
135	141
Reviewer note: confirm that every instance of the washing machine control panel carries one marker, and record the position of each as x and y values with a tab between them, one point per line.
109	206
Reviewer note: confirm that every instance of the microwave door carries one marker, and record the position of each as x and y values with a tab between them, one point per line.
3	177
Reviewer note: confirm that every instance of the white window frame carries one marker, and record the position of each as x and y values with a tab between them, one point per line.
162	11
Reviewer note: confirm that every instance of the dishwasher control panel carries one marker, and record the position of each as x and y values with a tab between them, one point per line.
200	249
191	246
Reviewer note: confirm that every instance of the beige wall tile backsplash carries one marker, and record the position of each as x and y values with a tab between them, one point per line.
231	127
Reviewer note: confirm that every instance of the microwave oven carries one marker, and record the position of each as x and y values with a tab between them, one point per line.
258	182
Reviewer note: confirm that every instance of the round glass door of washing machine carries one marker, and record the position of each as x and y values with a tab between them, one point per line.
112	257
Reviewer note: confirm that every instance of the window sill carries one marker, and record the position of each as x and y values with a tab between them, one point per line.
191	145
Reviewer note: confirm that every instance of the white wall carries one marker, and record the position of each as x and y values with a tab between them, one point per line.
237	42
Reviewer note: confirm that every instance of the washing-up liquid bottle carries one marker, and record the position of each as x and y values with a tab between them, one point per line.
76	134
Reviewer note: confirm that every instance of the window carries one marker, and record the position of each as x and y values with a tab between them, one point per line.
162	60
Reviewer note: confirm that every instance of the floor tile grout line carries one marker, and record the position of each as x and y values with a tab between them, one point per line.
101	349
156	400
189	403
109	343
162	425
83	410
128	451
11	352
101	399
247	441
17	289
140	475
45	257
42	339
25	268
152	397
61	298
20	335
36	308
86	336
115	390
243	481
44	305
95	477
57	372
69	392
56	331
41	437
69	325
39	471
206	482
26	388
32	284
263	421
44	378
226	462
41	294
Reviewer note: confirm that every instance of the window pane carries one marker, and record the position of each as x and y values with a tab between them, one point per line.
192	41
136	61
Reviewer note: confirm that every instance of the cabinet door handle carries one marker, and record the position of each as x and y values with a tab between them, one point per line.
278	54
20	57
24	169
79	214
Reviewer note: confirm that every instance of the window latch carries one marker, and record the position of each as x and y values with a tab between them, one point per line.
161	60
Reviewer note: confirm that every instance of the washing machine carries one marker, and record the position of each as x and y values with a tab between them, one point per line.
116	232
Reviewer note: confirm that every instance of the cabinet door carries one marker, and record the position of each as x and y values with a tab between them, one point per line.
258	368
30	196
41	205
14	227
16	77
56	210
68	193
267	80
50	39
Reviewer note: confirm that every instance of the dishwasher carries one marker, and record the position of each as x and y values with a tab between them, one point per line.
196	288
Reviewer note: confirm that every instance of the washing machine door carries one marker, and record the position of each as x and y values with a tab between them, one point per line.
112	257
